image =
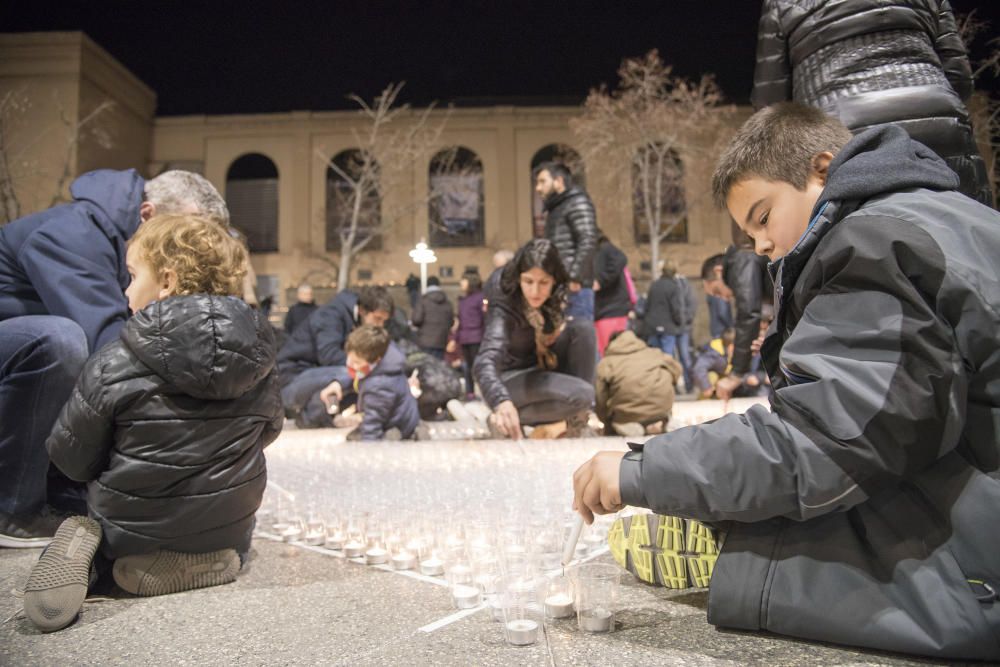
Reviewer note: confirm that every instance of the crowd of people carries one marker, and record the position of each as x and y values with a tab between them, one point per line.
139	385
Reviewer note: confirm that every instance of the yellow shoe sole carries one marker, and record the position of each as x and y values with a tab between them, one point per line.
664	550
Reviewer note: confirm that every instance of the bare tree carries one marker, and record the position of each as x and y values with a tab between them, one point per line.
377	179
16	151
645	136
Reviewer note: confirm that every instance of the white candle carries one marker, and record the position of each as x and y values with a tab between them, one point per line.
280	527
376	556
432	567
353	549
596	620
460	574
291	533
404	560
559	605
522	632
314	537
465	597
335	541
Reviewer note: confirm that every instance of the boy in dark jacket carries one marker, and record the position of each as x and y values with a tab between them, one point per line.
167	425
378	371
858	510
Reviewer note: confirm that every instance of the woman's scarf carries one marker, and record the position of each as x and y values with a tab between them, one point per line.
543	341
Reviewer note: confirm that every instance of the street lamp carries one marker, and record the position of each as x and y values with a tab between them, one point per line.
423	256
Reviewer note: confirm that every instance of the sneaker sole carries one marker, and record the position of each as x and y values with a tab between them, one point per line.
664	550
173	572
57	585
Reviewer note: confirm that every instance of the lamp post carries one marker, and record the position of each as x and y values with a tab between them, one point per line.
423	256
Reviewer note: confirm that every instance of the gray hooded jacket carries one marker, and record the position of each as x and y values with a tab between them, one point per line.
862	508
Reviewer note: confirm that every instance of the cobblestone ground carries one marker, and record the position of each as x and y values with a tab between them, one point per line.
307	604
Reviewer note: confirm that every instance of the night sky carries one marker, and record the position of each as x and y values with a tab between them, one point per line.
252	56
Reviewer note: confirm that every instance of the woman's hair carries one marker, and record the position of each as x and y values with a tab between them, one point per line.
474	281
205	257
543	254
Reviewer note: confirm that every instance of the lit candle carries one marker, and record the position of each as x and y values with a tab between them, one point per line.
280	527
559	605
376	556
432	567
522	632
334	540
353	549
465	597
596	620
292	532
315	537
460	574
404	560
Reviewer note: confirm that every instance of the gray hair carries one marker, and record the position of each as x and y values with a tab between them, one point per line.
178	191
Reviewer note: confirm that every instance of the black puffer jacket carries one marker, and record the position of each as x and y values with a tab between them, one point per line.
609	266
433	317
508	343
570	223
319	341
745	273
664	308
169	425
871	62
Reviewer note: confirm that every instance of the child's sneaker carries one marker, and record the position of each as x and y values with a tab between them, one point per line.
664	550
57	585
164	572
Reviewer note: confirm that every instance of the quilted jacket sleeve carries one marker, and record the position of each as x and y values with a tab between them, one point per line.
83	434
491	350
772	76
951	50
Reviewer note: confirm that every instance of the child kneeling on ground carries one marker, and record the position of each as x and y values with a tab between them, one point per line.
861	509
378	369
168	425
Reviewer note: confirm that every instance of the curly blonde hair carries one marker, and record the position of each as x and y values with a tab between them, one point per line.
205	257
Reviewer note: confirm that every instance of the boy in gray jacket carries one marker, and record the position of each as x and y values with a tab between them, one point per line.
860	509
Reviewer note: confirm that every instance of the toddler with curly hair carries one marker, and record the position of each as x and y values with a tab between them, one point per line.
167	425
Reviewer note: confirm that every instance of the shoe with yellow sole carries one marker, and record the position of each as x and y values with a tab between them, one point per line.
664	550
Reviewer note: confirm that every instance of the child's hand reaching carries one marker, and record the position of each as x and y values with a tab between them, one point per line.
333	389
595	486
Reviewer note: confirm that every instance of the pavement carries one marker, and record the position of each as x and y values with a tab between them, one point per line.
301	605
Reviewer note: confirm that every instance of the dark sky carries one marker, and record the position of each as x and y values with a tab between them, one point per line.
253	56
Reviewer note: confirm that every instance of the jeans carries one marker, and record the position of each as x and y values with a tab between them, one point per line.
543	396
679	347
301	396
469	353
40	359
580	305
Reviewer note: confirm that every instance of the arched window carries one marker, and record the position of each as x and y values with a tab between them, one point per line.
341	195
455	196
658	195
553	153
252	198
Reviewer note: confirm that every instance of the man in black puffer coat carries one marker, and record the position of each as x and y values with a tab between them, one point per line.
571	224
872	62
433	317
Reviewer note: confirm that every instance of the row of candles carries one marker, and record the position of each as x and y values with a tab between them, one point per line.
515	568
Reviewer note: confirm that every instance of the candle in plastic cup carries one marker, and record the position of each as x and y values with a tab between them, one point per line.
466	597
522	632
376	556
432	567
404	560
334	540
354	549
559	605
596	620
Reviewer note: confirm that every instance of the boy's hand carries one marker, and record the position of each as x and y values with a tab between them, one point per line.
595	486
332	389
725	387
507	420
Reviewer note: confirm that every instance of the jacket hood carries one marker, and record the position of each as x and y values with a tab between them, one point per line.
213	347
626	343
436	296
883	160
392	363
117	194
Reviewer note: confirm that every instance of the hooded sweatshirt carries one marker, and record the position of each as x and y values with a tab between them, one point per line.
168	425
858	507
385	399
70	260
635	382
